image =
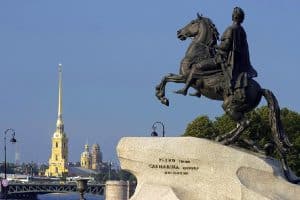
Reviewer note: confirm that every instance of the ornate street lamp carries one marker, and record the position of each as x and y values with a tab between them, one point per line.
12	140
154	126
82	187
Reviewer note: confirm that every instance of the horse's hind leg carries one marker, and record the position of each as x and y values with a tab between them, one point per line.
251	145
233	135
220	138
241	128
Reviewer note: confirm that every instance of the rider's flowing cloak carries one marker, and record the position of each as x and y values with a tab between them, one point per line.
234	43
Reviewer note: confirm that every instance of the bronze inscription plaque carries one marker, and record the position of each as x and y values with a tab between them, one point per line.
172	166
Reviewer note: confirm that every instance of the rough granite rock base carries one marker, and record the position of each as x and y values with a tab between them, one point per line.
186	168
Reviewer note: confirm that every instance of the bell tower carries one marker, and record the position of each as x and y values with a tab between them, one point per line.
85	159
58	162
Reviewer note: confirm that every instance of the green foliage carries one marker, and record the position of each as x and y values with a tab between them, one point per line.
201	127
224	124
258	131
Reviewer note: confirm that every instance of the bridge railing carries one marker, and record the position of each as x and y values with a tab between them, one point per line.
42	188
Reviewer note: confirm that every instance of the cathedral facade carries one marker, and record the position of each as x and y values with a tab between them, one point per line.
91	159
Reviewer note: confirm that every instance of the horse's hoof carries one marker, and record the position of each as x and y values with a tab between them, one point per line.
165	101
218	138
225	142
269	149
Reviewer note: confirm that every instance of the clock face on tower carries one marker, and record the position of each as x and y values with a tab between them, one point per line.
56	135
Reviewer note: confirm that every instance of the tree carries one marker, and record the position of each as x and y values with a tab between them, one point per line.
258	131
224	124
201	127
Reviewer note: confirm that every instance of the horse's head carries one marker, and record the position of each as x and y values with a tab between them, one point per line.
199	27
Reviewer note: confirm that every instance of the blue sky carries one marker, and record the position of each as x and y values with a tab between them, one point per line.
113	54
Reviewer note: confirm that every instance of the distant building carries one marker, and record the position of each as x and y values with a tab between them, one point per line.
59	152
91	160
86	159
96	157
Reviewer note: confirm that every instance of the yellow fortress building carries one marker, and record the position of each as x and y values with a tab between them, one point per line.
58	162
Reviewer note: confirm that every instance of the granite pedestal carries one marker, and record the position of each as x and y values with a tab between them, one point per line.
186	168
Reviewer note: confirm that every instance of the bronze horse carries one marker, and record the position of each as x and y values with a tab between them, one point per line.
210	82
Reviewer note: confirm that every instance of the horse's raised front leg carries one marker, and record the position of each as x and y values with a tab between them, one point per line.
161	87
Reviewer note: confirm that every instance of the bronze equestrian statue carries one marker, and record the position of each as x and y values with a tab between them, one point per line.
224	72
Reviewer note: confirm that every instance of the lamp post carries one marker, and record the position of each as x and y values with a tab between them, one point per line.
109	170
154	133
81	187
12	140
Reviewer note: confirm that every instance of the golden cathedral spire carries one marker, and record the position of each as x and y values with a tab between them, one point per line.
59	154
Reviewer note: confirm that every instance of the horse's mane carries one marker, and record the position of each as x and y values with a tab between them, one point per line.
212	28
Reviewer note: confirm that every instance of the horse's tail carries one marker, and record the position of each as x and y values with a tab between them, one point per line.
280	138
278	132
